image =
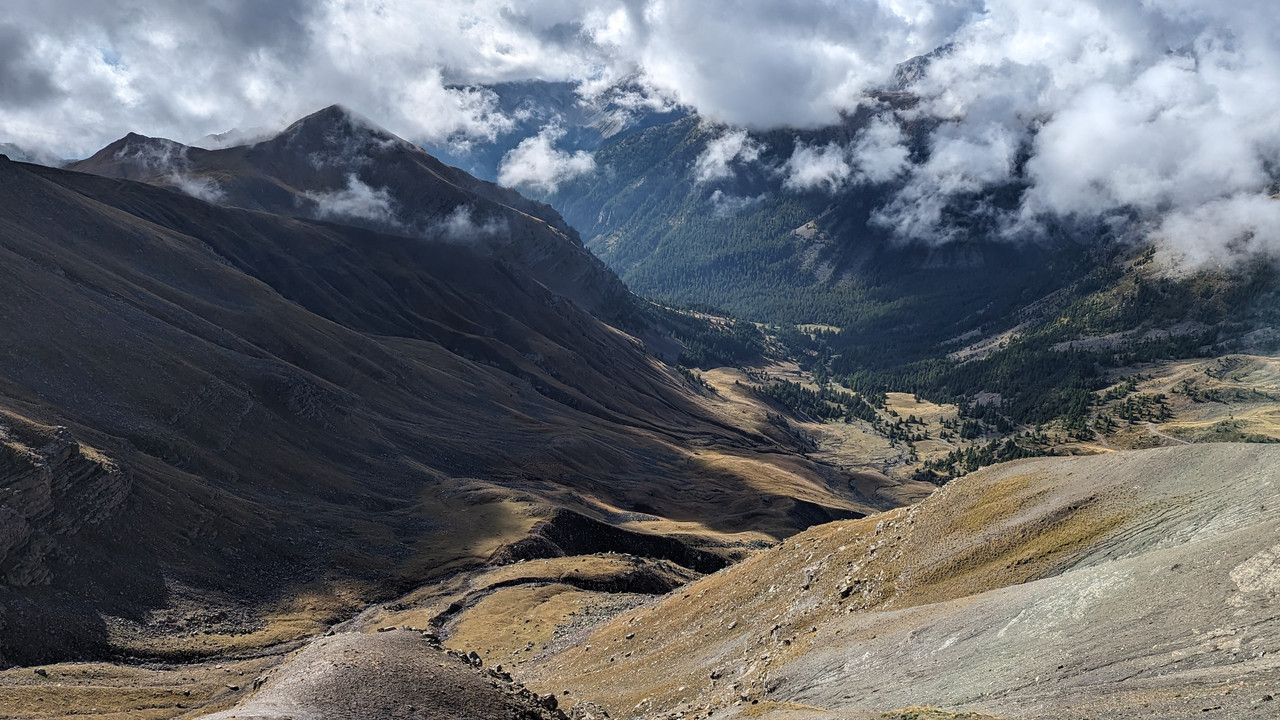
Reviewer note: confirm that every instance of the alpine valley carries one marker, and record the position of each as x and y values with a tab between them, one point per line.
330	425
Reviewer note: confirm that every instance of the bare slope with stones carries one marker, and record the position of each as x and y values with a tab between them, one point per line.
1141	583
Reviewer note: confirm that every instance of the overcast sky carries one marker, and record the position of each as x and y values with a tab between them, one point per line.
75	74
1169	107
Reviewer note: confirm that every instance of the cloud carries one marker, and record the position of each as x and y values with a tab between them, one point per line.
22	80
234	138
961	165
726	205
461	226
357	201
188	69
206	189
1158	110
457	115
1165	112
536	164
817	168
167	159
1222	230
717	160
773	63
878	156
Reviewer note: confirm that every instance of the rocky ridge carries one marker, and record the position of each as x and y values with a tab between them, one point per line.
53	488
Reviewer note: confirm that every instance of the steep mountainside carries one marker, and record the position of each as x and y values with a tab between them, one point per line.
334	165
223	429
692	213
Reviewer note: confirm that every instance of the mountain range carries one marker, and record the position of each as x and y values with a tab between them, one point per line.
229	408
321	425
696	214
335	165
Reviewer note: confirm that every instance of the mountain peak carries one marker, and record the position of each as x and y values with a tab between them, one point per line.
334	114
234	137
136	157
338	135
134	140
335	121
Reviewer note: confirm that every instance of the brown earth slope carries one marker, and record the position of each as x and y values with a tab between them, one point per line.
223	429
1135	584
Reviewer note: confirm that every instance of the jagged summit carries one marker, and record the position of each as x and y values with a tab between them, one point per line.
135	140
336	113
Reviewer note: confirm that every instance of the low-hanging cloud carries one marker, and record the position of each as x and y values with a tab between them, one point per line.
717	160
462	226
357	201
1158	110
727	205
1231	227
820	167
168	161
537	164
1166	112
877	156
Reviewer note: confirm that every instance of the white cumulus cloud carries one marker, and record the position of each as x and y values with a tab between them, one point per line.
717	160
1162	110
877	156
823	167
1167	111
357	201
537	164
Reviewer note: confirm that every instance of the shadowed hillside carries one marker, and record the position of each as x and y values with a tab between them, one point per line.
335	165
224	428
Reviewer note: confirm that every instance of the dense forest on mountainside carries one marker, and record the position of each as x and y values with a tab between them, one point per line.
911	317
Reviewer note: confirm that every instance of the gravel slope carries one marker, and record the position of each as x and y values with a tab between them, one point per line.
1122	585
396	675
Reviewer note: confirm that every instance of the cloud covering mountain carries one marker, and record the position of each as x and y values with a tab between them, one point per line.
1166	112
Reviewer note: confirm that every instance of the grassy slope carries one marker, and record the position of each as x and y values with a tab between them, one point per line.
1105	584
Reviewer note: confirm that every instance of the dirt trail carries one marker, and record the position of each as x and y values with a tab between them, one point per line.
1151	427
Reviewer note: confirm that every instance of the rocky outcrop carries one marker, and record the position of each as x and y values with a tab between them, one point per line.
566	533
51	487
